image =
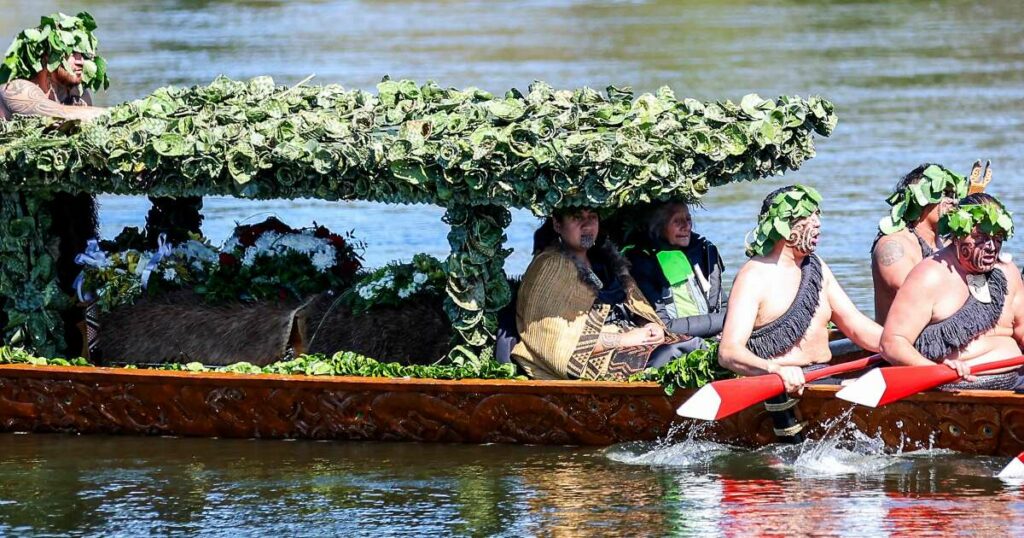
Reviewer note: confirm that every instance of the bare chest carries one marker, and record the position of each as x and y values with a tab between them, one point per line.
954	293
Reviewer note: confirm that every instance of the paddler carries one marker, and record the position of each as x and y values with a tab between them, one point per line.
963	306
910	233
784	297
48	71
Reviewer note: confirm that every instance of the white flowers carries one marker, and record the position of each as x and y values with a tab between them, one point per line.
170	275
396	282
320	251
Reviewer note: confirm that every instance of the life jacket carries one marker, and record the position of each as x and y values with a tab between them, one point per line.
688	284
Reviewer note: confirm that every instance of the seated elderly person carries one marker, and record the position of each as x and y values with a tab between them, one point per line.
579	313
680	273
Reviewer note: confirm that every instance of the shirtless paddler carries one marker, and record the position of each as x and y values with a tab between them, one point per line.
49	70
964	305
785	295
910	233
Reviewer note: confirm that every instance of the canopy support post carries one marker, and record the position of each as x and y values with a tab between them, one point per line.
32	300
477	287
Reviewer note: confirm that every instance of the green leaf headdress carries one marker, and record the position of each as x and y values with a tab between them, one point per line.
788	206
990	216
908	202
57	37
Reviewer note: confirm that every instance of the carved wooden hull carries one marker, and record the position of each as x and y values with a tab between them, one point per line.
144	402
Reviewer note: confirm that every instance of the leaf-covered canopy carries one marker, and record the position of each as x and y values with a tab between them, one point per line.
416	144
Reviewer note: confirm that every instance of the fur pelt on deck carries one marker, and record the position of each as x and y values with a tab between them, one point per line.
180	327
418	332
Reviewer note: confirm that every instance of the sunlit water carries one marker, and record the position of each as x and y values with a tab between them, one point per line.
912	81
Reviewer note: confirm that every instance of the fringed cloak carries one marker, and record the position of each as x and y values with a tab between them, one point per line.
560	319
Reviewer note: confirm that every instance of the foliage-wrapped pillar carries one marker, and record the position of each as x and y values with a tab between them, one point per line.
30	293
477	286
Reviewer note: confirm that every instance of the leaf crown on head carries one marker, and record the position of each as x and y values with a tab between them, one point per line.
989	218
792	204
55	40
909	202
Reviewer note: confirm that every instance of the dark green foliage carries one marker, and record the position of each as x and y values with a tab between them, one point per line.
693	370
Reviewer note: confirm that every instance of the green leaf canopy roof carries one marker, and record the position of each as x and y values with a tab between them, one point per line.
416	144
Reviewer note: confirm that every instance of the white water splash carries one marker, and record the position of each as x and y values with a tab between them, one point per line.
693	450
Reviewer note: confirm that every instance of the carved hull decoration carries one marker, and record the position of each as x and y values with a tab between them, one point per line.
141	402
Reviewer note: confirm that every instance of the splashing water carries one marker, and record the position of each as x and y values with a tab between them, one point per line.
695	449
843	449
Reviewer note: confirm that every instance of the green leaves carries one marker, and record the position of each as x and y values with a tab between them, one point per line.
57	38
800	201
990	219
936	183
413	144
693	370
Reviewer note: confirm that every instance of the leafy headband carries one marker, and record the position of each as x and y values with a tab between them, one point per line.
991	219
908	203
56	39
797	202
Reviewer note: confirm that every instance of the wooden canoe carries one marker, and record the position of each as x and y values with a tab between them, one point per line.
91	400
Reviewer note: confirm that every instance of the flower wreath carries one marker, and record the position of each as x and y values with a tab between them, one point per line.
991	219
797	202
908	203
57	37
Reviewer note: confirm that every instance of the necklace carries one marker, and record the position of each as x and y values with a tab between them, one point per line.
978	286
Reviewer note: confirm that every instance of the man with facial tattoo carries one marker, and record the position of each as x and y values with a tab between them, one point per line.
784	297
963	306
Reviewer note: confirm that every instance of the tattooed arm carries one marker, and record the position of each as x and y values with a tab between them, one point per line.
646	335
25	98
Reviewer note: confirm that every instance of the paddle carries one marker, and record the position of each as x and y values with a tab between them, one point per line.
1014	469
720	399
886	385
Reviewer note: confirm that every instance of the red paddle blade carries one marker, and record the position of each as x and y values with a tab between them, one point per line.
720	399
1014	469
887	385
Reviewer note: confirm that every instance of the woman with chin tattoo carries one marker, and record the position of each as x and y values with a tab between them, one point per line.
680	273
579	313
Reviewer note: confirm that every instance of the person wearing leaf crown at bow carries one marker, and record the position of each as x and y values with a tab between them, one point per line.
964	305
579	313
48	71
910	233
784	297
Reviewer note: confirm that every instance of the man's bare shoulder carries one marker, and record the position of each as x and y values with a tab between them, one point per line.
894	247
21	88
933	271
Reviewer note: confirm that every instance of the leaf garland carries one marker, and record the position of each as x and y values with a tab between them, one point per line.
907	204
416	144
342	363
29	293
787	207
56	39
474	153
693	370
991	219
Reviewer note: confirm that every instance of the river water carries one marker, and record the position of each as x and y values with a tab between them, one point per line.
913	81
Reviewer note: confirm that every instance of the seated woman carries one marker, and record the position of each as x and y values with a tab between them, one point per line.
579	313
680	273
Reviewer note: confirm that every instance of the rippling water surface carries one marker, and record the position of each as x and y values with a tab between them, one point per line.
912	81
